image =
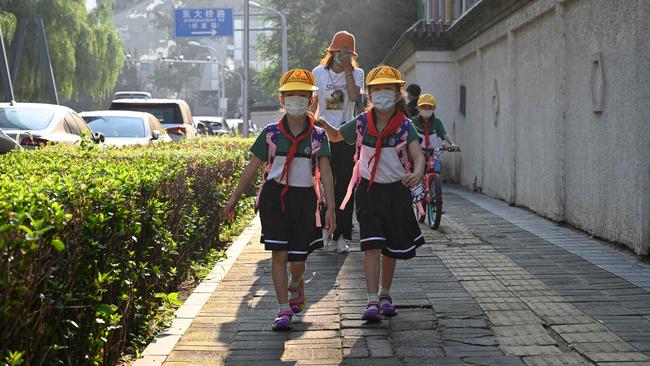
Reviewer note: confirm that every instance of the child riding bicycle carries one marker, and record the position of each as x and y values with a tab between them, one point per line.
430	127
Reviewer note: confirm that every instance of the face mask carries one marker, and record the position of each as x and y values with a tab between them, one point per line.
383	100
296	106
426	113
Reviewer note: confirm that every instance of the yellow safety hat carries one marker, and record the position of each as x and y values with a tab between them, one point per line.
384	75
427	99
297	79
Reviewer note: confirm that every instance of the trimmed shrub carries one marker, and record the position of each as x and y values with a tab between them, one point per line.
92	241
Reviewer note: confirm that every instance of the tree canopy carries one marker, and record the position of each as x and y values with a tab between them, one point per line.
376	24
86	53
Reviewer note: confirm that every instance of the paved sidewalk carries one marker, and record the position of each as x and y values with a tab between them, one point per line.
482	291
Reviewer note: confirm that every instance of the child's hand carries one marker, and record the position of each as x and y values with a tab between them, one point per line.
229	209
411	179
330	220
320	122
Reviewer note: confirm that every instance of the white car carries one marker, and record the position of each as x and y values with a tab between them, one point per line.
121	128
37	124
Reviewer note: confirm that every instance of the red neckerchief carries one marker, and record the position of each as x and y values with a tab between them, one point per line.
392	127
292	152
426	133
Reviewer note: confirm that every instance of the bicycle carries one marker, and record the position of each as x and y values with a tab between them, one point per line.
430	207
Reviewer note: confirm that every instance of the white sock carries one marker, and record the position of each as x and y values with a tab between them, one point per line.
373	298
294	284
384	292
283	307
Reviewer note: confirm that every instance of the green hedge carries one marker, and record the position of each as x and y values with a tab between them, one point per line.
92	240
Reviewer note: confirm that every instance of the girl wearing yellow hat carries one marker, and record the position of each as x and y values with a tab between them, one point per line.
297	159
389	161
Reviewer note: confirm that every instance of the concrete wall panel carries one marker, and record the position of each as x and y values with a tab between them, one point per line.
538	160
602	178
497	123
572	138
468	128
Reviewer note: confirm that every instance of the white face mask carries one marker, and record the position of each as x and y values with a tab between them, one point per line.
426	113
383	100
296	106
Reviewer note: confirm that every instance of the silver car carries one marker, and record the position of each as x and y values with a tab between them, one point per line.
216	125
36	124
122	128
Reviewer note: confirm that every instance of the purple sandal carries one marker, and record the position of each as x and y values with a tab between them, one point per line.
298	304
371	314
283	321
387	308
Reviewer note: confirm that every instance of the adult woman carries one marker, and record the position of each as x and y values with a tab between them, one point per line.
340	80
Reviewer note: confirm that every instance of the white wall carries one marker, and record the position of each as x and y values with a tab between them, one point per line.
531	135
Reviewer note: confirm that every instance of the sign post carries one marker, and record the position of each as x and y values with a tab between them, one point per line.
213	22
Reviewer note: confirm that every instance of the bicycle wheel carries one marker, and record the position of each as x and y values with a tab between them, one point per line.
434	208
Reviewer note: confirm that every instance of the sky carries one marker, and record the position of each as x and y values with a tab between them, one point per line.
90	4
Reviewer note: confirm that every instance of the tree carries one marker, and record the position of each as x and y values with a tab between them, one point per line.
383	22
125	4
306	39
85	50
376	24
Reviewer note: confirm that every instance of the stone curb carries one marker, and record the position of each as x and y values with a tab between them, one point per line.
160	347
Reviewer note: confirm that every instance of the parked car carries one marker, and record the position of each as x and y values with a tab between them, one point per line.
217	125
122	128
132	95
36	124
238	125
173	114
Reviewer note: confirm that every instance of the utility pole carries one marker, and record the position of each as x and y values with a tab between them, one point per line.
246	67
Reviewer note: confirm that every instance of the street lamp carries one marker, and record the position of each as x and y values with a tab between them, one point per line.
283	23
197	44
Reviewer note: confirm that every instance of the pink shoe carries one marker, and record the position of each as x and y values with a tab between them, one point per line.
298	304
283	321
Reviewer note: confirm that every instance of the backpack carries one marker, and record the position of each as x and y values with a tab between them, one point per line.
317	137
402	152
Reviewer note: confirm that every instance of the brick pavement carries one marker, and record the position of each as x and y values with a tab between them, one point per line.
482	291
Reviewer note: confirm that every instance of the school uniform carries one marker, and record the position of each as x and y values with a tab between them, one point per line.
384	207
289	221
434	127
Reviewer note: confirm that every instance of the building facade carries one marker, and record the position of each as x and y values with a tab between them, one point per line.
550	103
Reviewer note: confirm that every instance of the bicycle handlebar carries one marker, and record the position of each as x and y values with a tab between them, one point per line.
449	148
